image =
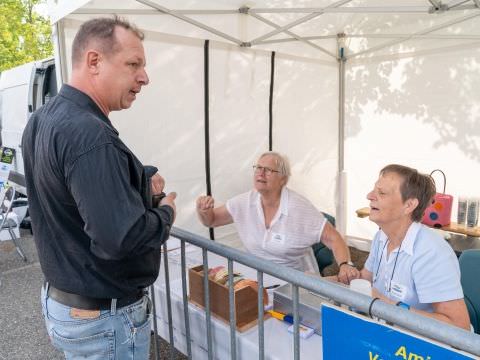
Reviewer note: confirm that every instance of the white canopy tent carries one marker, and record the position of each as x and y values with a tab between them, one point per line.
357	84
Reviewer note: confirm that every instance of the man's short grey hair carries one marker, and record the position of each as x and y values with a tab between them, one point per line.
100	31
283	165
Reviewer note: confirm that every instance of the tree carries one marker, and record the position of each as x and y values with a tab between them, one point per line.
25	35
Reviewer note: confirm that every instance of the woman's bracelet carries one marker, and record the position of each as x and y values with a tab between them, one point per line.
370	307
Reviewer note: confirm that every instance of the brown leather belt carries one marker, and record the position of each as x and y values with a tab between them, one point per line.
89	303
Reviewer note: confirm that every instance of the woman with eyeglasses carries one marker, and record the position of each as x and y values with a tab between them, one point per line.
409	264
276	223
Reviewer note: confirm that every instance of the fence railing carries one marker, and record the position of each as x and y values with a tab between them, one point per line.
428	327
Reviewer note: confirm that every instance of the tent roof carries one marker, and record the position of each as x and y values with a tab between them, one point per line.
313	28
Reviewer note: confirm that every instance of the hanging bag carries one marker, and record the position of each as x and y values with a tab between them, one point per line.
438	214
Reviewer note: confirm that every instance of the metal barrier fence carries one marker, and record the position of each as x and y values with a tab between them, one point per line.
431	328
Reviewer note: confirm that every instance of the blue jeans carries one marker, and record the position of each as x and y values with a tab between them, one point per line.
122	333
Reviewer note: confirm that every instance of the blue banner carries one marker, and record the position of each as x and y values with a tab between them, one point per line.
349	336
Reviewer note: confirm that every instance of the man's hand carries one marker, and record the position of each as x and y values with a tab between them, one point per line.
169	200
205	204
347	273
157	184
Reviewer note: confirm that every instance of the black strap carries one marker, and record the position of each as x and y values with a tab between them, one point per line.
89	303
207	125
370	307
270	102
444	178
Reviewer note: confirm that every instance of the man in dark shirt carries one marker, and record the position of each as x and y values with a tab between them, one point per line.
90	199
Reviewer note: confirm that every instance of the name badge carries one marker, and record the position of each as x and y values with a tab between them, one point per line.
398	290
278	238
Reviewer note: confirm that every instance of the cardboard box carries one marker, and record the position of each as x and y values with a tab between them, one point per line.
246	300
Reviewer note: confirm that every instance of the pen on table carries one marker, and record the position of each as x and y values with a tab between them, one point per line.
280	316
271	287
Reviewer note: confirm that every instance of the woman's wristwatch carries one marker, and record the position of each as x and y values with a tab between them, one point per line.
349	263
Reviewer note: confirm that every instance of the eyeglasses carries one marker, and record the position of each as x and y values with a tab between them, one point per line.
259	169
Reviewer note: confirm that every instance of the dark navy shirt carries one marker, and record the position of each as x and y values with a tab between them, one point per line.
89	201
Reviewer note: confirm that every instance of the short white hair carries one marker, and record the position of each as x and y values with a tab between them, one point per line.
283	165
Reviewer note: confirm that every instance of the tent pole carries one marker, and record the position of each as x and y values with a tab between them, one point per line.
436	4
190	21
403	36
87	11
341	180
422	32
58	34
374	36
368	9
339	10
266	21
351	9
279	29
454	4
275	41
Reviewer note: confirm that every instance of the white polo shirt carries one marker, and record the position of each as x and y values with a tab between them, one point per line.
296	226
426	269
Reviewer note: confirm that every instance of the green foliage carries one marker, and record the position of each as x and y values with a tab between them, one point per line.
24	34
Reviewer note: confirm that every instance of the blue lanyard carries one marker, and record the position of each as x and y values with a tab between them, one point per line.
394	265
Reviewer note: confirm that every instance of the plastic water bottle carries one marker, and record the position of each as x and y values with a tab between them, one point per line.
462	210
472	213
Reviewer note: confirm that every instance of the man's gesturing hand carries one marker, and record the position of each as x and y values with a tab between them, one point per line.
158	183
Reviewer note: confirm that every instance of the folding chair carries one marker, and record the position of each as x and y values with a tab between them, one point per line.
469	269
323	255
7	223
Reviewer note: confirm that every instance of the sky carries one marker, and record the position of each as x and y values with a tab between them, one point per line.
42	9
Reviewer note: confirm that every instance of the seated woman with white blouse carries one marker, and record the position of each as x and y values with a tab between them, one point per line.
276	223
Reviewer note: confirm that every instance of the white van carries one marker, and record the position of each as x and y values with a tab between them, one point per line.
23	89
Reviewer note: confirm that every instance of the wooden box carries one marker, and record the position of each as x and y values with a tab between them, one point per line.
246	300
